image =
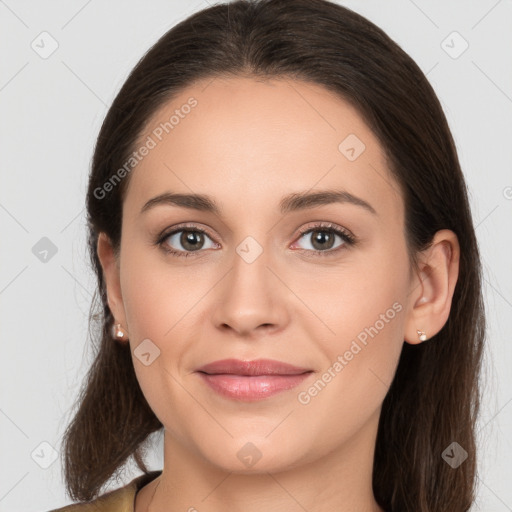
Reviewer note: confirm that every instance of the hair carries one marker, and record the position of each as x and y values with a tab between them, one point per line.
435	396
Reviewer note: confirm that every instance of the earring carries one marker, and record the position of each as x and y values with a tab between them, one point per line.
118	333
421	335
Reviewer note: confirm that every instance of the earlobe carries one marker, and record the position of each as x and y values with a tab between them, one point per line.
432	290
111	276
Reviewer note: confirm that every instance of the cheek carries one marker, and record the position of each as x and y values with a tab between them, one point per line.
364	307
144	300
362	298
156	294
162	303
360	362
156	302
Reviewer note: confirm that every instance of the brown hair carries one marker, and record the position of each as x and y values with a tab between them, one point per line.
434	398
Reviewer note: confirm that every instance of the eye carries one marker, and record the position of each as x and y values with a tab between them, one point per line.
185	240
191	239
323	238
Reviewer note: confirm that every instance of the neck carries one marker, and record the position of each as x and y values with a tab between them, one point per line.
337	481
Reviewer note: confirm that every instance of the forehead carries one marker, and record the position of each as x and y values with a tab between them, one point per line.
249	142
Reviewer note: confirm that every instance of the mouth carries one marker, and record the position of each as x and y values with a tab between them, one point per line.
251	380
252	368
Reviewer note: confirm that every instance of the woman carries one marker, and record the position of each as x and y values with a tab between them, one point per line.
288	272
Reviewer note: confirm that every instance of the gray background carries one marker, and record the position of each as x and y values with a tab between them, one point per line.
51	111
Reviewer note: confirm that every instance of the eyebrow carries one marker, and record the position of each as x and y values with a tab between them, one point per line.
290	203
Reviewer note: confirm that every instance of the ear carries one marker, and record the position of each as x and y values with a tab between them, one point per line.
111	276
432	289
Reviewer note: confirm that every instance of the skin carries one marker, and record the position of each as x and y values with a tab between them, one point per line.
247	144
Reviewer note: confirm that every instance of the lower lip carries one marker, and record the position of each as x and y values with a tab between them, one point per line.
250	388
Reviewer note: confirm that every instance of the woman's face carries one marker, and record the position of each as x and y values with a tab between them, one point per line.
252	286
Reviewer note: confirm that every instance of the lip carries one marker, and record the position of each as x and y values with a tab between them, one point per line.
252	368
251	380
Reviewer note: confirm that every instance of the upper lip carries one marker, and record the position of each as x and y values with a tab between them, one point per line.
255	367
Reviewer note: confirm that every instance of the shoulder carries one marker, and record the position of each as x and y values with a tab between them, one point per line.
118	500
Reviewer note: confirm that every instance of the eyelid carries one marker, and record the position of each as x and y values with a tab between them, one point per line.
184	227
319	225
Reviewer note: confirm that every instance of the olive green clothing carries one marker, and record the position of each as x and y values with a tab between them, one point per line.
118	500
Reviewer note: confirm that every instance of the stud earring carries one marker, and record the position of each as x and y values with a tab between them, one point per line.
118	333
421	335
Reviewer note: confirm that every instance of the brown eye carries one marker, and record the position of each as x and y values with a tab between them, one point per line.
182	242
191	240
322	239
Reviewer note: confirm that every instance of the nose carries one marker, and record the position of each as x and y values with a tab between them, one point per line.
251	298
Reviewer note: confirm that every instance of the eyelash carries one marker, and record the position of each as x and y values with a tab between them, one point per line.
347	238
